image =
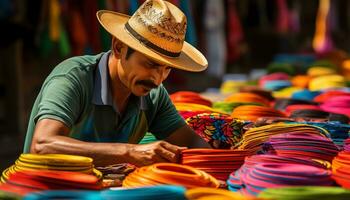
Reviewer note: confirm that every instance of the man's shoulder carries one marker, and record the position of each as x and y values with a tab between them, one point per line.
78	64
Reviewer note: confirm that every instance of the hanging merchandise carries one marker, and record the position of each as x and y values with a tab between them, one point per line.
294	17
287	20
133	6
235	35
54	24
111	5
214	23
283	15
175	2
262	15
58	34
78	33
185	6
7	9
52	30
64	46
90	7
217	162
169	173
322	41
105	37
121	6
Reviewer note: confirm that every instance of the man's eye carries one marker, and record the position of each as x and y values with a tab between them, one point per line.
148	65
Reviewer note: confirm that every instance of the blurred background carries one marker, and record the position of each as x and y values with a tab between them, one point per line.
240	39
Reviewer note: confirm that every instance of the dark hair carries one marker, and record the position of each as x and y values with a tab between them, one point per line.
129	51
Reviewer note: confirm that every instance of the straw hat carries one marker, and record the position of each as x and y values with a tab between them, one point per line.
157	29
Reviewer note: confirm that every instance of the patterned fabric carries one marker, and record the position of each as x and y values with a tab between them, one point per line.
219	130
188	114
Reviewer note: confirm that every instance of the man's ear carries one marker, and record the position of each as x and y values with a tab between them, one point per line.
117	46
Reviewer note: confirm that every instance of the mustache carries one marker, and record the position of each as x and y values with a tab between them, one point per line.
147	83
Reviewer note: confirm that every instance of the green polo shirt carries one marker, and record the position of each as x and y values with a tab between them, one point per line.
77	93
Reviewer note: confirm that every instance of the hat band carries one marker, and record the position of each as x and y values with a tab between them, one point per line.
149	44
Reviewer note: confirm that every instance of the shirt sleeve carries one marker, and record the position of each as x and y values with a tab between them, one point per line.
166	118
60	101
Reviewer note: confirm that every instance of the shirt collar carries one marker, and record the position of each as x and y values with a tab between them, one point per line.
102	93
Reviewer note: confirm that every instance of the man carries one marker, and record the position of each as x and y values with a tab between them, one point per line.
101	106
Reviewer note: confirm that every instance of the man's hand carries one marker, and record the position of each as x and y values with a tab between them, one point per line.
161	151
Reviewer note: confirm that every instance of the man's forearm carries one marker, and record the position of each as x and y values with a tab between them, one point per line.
102	153
52	136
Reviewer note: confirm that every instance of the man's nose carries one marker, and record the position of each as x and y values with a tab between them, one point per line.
161	75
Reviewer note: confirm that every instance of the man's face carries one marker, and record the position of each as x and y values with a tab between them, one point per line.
140	73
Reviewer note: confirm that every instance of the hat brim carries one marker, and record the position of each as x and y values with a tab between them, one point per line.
190	58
